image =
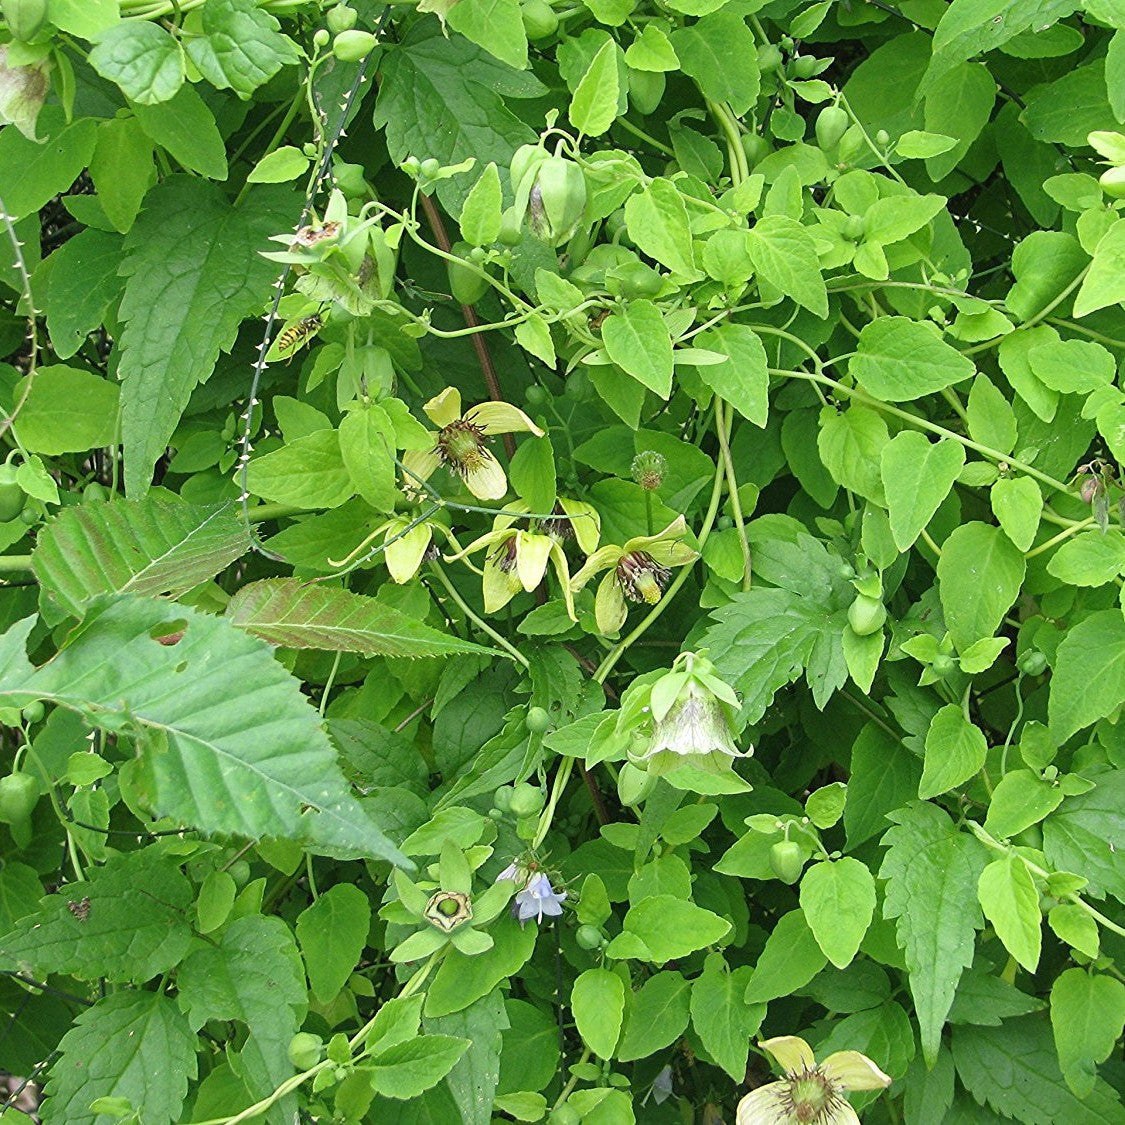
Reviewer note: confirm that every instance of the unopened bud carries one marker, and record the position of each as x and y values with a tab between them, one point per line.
648	469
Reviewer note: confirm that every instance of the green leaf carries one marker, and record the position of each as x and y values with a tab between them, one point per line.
991	419
480	216
851	447
1020	799
916	144
1091	558
790	959
113	1051
367	446
445	98
1011	903
917	475
186	128
657	221
332	933
532	473
658	1014
121	169
66	410
234	747
159	545
33	172
895	217
82	285
1076	927
1017	503
193	273
593	106
1086	834
723	1019
958	103
462	979
637	340
720	53
668	927
785	256
597	1002
250	972
955	752
1017	1075
1072	366
979	576
931	872
405	1070
142	59
474	1079
85	18
296	614
1087	1017
135	927
838	901
898	359
279	167
1089	673
1104	284
742	379
884	776
494	25
241	47
306	473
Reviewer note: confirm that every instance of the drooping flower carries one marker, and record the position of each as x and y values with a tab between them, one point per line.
517	561
23	90
539	898
461	443
810	1093
639	571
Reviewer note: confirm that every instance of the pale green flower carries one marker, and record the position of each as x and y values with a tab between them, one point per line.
639	572
810	1093
461	443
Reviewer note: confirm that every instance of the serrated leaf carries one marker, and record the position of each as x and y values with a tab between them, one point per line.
917	475
405	1070
131	923
1089	673
297	614
240	47
784	255
229	742
1087	1016
743	378
898	359
115	1049
194	272
1086	834
931	872
142	58
1011	903
637	340
593	107
720	1014
158	545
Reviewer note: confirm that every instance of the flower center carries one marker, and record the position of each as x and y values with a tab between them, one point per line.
811	1098
504	556
642	578
462	446
448	907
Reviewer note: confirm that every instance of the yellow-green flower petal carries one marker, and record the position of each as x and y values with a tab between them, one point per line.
418	465
502	418
486	479
444	408
532	552
763	1106
793	1054
675	530
404	555
600	560
499	586
854	1071
585	521
562	571
610	609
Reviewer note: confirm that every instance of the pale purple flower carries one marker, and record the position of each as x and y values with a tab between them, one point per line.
538	898
513	873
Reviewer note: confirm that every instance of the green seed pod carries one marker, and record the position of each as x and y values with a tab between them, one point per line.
556	200
34	711
632	280
866	615
465	283
1032	662
19	793
882	138
430	167
321	37
25	18
527	800
502	798
634	785
12	497
1113	182
539	19
538	721
755	146
536	395
353	45
589	937
854	228
804	66
646	88
787	861
341	18
305	1050
831	124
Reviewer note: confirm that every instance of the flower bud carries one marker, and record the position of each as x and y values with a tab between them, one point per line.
634	785
556	199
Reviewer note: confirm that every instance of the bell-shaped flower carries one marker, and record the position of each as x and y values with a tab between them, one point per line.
23	90
462	440
538	898
810	1091
517	561
639	572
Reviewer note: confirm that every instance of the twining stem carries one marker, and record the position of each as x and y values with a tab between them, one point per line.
480	623
723	428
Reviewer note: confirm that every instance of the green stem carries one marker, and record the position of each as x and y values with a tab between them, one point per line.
481	624
1066	533
641	135
723	429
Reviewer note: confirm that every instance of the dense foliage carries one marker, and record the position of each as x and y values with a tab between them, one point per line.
650	585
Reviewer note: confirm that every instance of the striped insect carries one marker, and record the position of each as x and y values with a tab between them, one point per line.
297	333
